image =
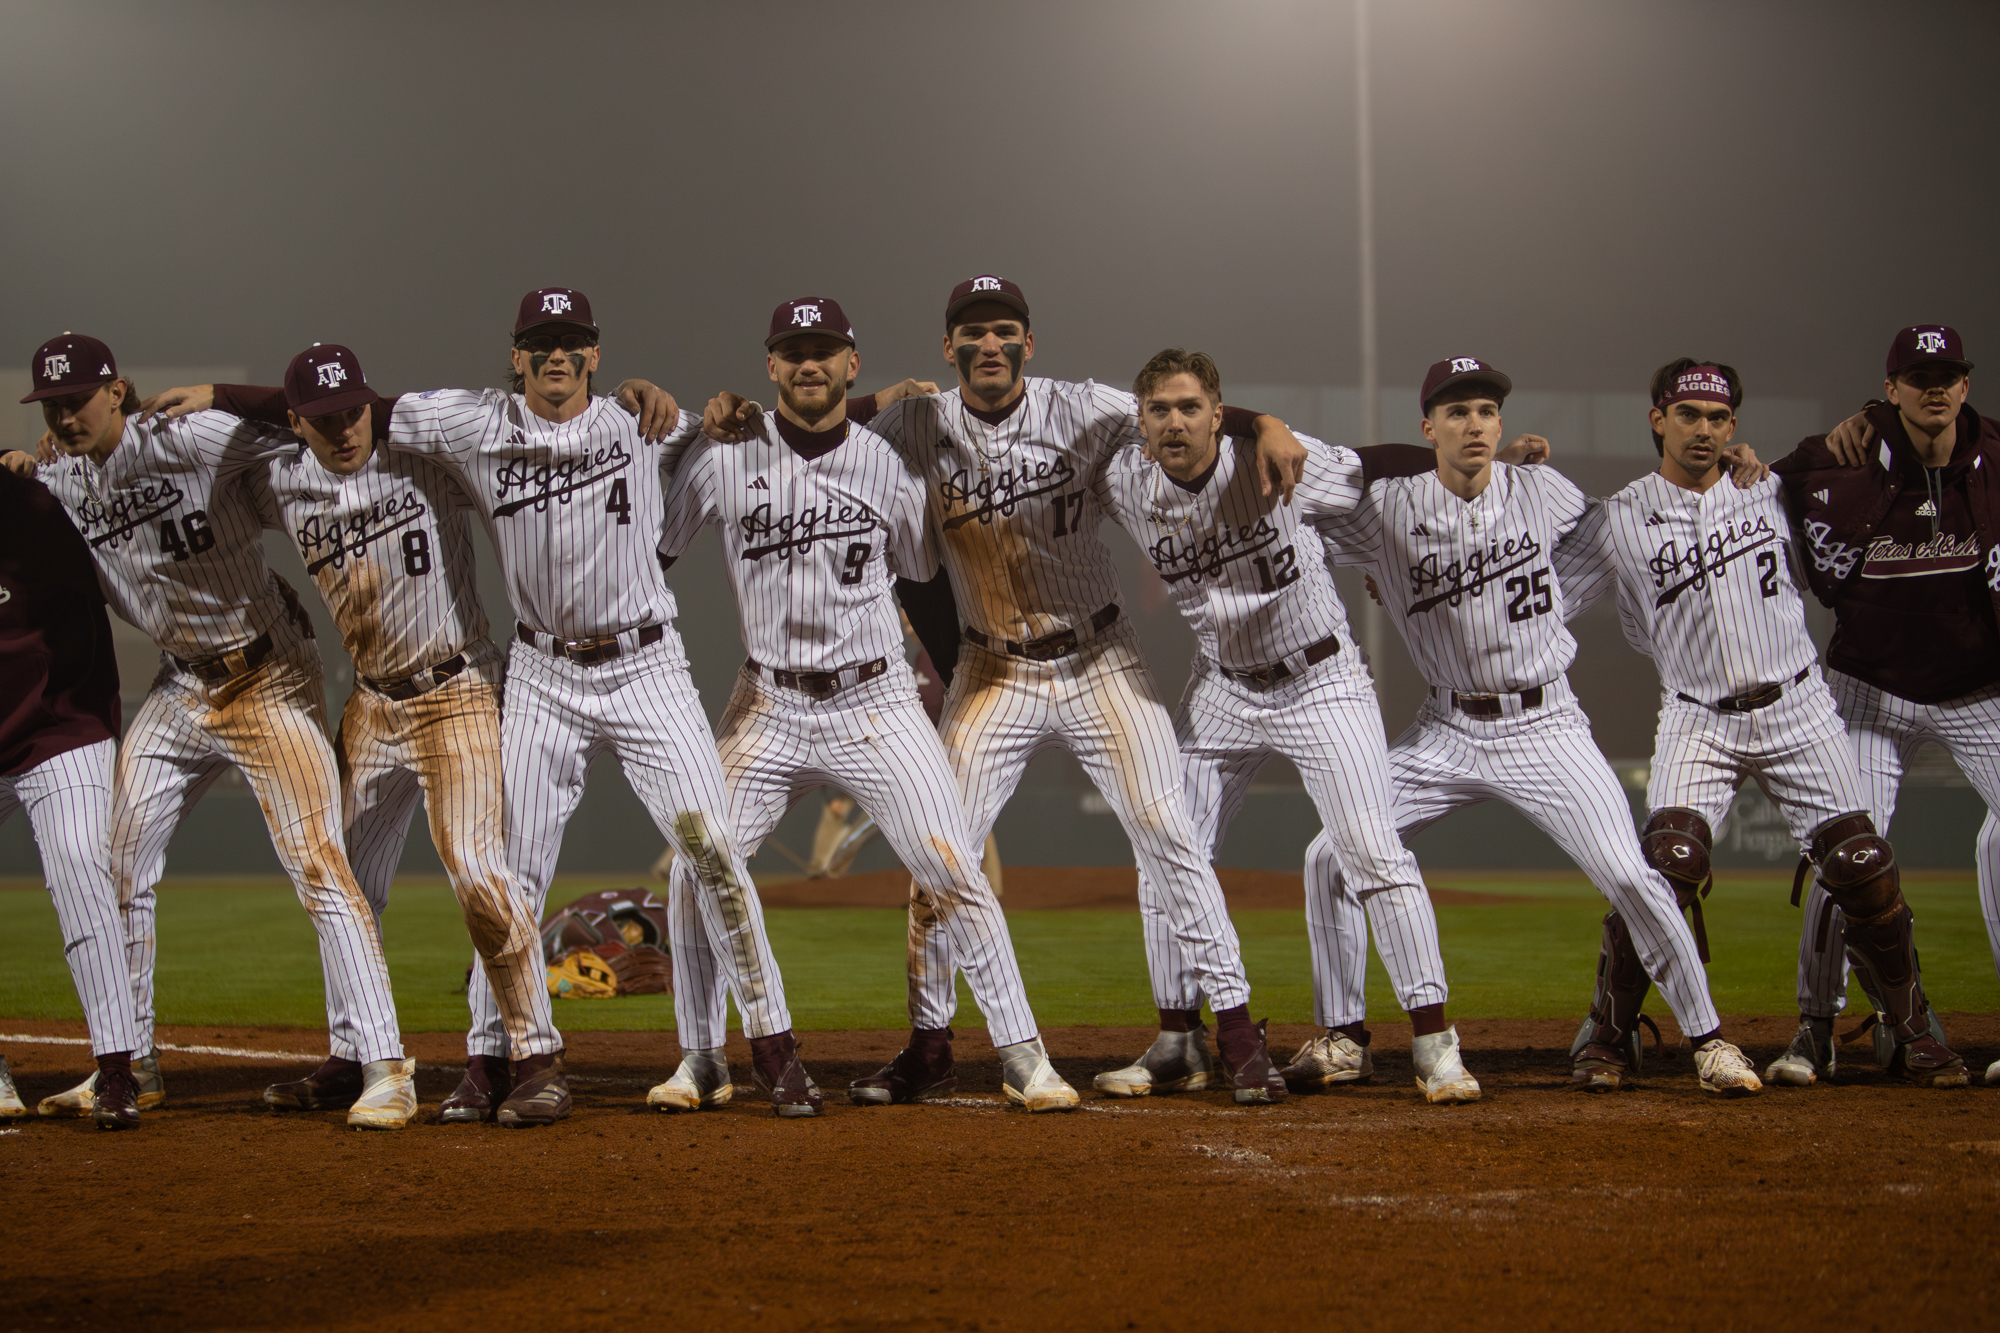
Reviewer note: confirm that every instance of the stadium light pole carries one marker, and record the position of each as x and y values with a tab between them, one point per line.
1371	392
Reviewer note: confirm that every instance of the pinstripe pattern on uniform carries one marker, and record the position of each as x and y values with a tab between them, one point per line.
1471	583
1887	730
179	551
390	550
1796	750
68	800
1704	579
643	708
813	546
875	743
1249	575
270	722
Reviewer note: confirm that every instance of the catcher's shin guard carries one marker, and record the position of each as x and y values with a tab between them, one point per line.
1622	985
1857	867
1676	843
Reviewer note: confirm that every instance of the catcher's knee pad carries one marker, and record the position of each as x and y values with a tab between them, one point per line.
1857	867
1676	843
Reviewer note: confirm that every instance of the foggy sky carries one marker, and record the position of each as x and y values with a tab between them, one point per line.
1576	192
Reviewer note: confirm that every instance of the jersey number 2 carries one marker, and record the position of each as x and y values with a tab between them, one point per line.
199	536
1767	573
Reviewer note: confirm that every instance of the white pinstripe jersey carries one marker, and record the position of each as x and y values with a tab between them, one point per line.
1246	570
813	544
1012	503
176	534
1472	583
574	507
1704	582
389	548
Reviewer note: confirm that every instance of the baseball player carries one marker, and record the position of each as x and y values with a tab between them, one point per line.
384	536
180	553
1464	560
1008	465
1276	673
1898	515
818	516
1703	575
571	488
60	679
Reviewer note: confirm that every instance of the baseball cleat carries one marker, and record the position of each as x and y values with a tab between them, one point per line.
776	1067
483	1087
1811	1057
388	1095
1440	1071
922	1070
1929	1063
1330	1058
702	1080
1725	1071
1993	1075
1029	1080
115	1100
540	1095
334	1086
79	1100
11	1106
1247	1068
1175	1062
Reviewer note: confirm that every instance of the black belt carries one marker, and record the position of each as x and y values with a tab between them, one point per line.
1277	671
1491	705
1750	700
1049	646
229	665
585	652
422	683
819	684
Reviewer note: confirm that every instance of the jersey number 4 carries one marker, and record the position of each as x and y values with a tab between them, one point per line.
618	503
199	536
1529	595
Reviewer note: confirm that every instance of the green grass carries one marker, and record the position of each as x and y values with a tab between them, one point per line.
234	954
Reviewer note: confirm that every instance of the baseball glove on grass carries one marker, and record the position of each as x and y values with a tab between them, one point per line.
643	970
581	975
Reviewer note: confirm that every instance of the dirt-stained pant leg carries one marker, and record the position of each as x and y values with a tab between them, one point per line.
68	799
271	723
448	740
379	795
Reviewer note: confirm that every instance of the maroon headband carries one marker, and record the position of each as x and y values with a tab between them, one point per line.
1700	384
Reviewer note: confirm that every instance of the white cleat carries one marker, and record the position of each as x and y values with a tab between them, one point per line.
81	1100
388	1095
1330	1058
1993	1075
1029	1080
11	1106
1440	1072
702	1080
1811	1056
1726	1071
1176	1062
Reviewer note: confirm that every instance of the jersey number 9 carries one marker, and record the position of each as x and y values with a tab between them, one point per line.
857	560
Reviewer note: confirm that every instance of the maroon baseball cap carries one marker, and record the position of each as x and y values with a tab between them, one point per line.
554	307
324	379
1921	344
809	314
1456	370
69	362
985	287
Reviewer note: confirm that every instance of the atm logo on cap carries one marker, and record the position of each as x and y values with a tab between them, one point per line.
986	284
1930	342
1462	364
332	375
55	367
805	315
555	303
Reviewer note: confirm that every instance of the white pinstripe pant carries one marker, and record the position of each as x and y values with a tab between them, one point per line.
68	799
1544	763
1886	731
443	748
642	707
1329	724
271	724
1101	704
874	742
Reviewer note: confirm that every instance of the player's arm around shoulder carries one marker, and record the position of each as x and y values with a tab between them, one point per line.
692	495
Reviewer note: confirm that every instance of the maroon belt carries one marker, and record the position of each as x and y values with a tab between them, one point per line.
422	683
819	684
1750	700
1492	705
227	666
1270	675
1049	646
585	652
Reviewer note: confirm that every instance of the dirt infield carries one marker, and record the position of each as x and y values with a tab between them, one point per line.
1861	1205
